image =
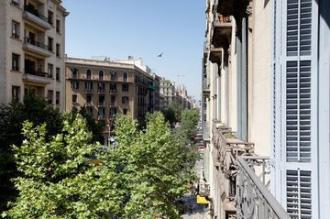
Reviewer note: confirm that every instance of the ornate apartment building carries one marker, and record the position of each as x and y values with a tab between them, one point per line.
32	47
167	92
266	108
107	88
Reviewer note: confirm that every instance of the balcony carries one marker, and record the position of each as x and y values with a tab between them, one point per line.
215	55
206	87
242	192
252	197
36	47
31	14
37	77
226	7
222	30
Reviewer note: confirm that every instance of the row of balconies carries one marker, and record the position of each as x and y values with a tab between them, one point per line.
104	78
242	192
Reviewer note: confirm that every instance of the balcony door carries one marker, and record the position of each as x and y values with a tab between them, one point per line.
32	38
30	66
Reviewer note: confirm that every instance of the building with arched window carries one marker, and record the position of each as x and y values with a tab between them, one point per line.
109	88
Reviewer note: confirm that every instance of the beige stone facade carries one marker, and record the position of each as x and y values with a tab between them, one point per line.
32	46
107	88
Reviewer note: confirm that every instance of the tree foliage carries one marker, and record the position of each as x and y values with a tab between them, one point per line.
67	176
189	121
173	113
95	127
156	168
61	177
12	117
11	120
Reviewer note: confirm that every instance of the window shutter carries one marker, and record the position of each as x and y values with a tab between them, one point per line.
298	79
305	27
299	195
292	27
298	111
305	111
299	27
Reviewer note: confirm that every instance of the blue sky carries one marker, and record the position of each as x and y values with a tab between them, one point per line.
141	28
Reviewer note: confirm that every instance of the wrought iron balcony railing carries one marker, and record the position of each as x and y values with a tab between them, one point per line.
253	200
244	195
35	43
38	73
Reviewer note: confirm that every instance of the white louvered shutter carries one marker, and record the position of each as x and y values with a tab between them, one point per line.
298	81
299	194
298	107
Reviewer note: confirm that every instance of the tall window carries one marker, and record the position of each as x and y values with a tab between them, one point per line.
16	93
125	87
58	72
113	87
50	44
101	99
113	99
125	111
57	97
113	75
50	70
101	75
112	112
15	62
88	86
74	98
101	113
101	87
58	26
75	85
74	73
58	50
15	29
50	17
125	77
124	100
89	74
89	98
50	94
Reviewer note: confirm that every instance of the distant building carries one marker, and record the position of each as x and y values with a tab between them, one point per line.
182	97
156	96
32	45
167	93
107	88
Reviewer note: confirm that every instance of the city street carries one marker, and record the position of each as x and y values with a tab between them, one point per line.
195	211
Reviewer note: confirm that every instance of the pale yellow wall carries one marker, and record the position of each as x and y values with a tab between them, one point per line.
261	89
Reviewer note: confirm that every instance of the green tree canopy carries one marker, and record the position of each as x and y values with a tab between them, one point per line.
12	117
61	177
155	168
67	176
